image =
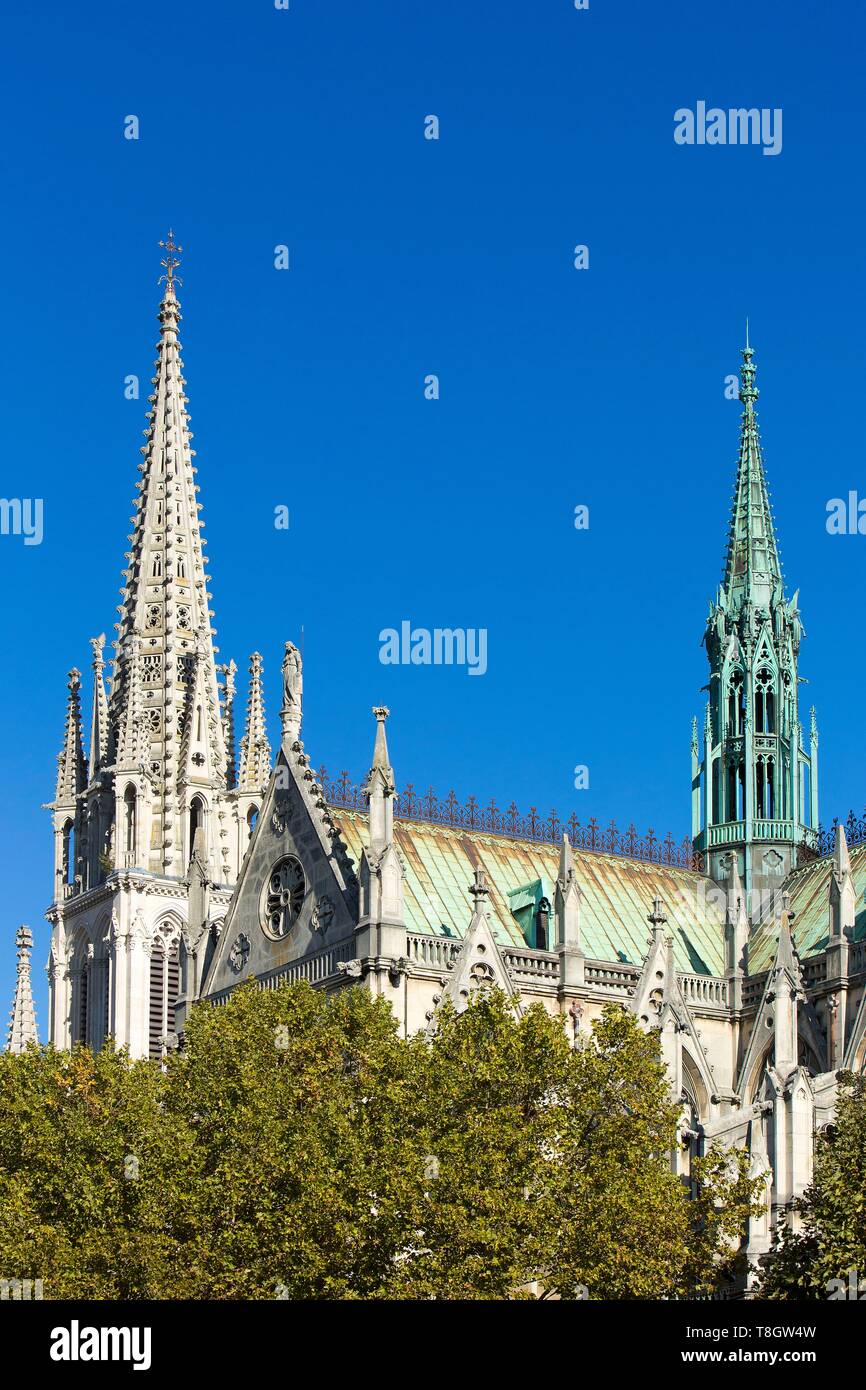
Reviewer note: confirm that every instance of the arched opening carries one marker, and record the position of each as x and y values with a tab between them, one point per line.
196	819
130	816
67	864
765	788
164	990
765	702
80	1019
736	705
736	791
252	817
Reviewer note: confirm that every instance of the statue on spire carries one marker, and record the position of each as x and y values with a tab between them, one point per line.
293	685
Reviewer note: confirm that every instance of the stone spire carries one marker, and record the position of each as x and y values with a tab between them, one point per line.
567	910
22	1024
753	571
736	922
99	715
786	984
70	763
165	637
755	789
229	692
255	764
132	741
842	895
382	928
379	787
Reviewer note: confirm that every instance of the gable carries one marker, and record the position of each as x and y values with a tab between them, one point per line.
808	888
295	896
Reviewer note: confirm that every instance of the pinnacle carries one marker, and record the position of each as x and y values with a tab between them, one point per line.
22	1023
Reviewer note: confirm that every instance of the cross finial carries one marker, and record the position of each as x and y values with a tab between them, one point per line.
172	259
478	888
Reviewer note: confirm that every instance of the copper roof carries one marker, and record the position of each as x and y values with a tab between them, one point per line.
617	892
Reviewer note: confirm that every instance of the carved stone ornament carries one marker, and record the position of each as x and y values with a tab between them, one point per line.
239	953
323	913
280	817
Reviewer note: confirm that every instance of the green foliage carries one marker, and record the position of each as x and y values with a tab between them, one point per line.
298	1148
831	1239
92	1174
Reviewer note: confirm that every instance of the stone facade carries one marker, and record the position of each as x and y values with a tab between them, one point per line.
178	876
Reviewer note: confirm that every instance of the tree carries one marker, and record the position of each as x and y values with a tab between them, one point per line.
831	1240
92	1175
299	1148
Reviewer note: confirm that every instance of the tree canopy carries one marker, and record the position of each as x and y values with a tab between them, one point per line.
298	1148
829	1240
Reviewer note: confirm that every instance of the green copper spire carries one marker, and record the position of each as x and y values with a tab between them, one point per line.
754	783
753	570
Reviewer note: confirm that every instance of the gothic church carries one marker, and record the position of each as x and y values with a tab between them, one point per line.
186	862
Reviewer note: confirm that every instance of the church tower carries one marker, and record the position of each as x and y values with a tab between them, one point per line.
159	779
754	784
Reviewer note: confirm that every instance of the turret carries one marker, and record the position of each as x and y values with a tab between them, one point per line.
759	783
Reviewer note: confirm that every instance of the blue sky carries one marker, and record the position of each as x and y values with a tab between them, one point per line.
558	387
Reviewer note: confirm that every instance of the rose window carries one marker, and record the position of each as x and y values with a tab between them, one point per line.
284	898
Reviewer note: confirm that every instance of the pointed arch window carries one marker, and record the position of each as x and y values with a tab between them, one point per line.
130	817
736	705
765	788
181	567
765	702
736	790
156	566
252	817
196	819
81	993
93	845
164	990
68	852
